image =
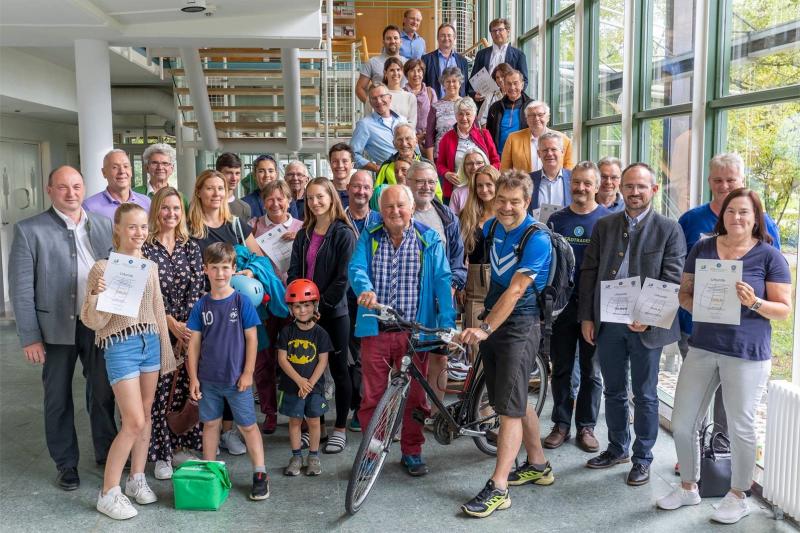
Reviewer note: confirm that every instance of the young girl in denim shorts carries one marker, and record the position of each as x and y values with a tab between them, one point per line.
135	350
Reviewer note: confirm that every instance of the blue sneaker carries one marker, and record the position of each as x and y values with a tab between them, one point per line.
414	465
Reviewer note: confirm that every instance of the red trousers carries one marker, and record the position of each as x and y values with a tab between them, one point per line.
265	374
378	355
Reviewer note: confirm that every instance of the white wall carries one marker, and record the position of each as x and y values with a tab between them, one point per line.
32	79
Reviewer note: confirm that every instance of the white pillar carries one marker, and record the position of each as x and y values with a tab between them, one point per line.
186	163
95	132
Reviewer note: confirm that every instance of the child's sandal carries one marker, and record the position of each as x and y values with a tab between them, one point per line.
336	444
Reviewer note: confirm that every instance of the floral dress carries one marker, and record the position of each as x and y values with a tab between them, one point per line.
182	281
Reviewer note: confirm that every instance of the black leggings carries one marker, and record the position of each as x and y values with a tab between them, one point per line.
338	330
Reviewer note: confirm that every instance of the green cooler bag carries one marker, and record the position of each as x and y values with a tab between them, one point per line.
201	485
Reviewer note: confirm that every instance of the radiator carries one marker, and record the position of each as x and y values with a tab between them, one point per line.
781	482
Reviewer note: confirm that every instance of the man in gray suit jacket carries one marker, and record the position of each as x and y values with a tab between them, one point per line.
51	256
635	242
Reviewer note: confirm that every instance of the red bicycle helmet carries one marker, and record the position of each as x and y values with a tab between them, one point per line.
302	290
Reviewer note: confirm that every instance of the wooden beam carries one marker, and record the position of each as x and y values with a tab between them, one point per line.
246	73
250	91
251	108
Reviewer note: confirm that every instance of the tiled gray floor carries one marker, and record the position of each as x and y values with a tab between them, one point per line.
580	500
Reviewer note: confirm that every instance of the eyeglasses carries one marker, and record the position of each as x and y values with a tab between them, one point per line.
498	30
159	164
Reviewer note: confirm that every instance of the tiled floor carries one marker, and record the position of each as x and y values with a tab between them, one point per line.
580	500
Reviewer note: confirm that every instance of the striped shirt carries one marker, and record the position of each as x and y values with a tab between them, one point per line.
397	272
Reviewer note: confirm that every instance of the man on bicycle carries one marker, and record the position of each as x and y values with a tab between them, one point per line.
400	263
509	340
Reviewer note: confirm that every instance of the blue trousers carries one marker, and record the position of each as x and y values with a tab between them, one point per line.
621	353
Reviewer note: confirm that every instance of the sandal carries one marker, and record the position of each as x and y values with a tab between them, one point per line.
336	443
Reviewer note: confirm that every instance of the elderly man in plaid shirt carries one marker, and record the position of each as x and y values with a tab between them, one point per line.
403	264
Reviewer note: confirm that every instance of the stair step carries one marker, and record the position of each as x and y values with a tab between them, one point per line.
252	126
250	91
251	108
247	73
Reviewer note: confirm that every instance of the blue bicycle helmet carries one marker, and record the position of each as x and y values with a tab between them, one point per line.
250	288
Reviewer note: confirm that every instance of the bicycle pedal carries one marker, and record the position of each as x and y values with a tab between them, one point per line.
419	415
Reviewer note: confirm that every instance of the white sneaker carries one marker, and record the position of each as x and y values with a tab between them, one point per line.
140	491
731	509
115	505
163	470
678	498
231	441
181	456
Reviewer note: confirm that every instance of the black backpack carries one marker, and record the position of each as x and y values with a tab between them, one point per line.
556	293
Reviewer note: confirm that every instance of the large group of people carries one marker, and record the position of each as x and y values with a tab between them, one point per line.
417	215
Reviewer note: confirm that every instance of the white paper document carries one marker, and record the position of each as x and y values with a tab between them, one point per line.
125	278
657	303
483	83
546	210
618	298
275	247
715	297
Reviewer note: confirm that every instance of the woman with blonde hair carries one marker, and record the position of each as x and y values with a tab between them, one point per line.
210	221
321	253
478	208
180	276
473	160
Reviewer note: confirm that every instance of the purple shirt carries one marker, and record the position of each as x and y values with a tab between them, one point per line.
424	102
311	253
104	204
222	324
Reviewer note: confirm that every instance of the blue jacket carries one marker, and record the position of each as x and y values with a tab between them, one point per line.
536	177
432	73
263	272
435	299
256	204
514	57
455	246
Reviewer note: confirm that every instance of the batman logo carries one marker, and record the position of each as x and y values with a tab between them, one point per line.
301	352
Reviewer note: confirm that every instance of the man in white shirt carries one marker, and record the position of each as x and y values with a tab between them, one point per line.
551	183
372	70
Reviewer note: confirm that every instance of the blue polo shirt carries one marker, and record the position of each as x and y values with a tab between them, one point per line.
509	123
411	47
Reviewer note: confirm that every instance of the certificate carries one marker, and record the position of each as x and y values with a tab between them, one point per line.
546	210
275	247
125	278
483	83
617	299
715	297
657	303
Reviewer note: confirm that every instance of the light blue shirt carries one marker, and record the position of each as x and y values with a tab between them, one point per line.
622	273
444	63
552	192
375	138
412	47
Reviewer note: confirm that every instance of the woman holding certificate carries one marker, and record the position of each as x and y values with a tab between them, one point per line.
732	352
276	197
137	345
180	273
321	253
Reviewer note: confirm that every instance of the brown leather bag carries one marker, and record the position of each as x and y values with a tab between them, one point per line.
187	417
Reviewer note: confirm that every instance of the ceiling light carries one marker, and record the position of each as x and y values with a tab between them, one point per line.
194	6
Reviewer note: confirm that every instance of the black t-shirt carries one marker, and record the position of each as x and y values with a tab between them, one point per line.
478	255
224	233
303	349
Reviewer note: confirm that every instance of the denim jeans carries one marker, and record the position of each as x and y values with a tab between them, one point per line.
621	353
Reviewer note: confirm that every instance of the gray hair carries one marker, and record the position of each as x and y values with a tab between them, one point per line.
298	163
609	160
451	72
112	152
465	104
516	179
643	165
516	72
404	125
421	166
588	166
536	103
160	148
365	173
728	160
406	189
552	135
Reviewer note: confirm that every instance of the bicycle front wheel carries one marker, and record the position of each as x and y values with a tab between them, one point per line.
375	443
487	420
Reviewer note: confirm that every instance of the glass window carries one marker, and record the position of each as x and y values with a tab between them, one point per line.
762	45
531	50
666	147
766	138
562	4
605	141
670	54
530	14
607	58
564	79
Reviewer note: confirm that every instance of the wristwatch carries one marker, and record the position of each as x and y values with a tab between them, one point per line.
486	327
757	304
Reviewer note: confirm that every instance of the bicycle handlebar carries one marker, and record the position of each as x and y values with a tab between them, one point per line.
390	315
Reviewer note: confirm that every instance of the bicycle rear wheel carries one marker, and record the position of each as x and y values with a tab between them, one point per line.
489	421
375	443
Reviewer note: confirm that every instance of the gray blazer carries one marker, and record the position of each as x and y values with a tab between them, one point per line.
658	249
43	275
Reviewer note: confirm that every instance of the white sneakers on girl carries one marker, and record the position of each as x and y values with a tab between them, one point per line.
678	498
115	505
731	509
163	470
137	488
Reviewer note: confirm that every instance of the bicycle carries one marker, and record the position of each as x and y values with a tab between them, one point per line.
470	415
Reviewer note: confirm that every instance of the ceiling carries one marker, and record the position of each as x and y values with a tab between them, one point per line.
15	107
257	23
